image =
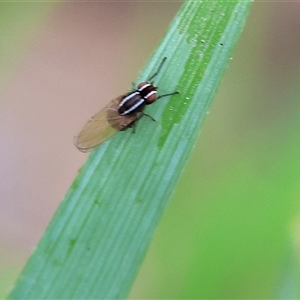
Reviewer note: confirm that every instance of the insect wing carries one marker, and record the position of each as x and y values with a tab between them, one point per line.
102	126
97	129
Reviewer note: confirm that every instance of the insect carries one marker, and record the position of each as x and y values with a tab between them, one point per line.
119	114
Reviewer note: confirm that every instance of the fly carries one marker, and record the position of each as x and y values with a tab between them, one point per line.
119	114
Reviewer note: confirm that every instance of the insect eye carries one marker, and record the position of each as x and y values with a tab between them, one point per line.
151	97
142	84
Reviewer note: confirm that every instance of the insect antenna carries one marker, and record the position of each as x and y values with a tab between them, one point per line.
158	69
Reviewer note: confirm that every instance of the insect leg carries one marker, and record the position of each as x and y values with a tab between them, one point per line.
165	95
149	117
158	70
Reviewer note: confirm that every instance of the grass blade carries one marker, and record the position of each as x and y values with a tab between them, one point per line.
97	239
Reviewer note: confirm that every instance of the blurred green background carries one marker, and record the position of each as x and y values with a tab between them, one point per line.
232	229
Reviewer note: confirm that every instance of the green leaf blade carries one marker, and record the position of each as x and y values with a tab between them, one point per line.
96	241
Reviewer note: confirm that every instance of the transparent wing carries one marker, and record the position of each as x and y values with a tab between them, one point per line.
102	126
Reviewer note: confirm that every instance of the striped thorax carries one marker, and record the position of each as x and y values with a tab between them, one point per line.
145	94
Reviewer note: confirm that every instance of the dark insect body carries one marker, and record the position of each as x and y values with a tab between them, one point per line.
121	113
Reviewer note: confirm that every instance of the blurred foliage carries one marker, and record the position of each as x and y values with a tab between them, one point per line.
232	228
18	22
